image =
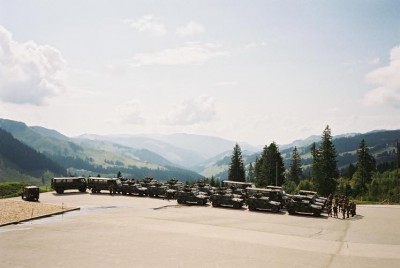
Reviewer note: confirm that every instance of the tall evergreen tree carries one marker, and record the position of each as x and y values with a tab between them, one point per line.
324	171
295	166
236	170
365	167
269	169
250	176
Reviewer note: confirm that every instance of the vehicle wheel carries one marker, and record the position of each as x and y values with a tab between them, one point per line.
275	209
200	202
82	190
94	190
123	192
251	208
291	211
317	213
215	204
179	201
60	190
236	205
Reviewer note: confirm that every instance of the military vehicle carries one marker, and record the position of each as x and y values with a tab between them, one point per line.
225	198
302	204
157	190
259	202
317	198
133	189
68	183
237	187
203	187
30	193
273	194
174	186
97	184
191	197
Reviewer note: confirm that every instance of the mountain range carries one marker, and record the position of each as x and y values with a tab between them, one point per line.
184	156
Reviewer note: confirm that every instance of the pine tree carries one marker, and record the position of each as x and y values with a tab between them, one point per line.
269	169
236	170
295	166
250	176
365	167
324	170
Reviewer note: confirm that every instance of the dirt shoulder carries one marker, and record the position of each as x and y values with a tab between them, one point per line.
14	211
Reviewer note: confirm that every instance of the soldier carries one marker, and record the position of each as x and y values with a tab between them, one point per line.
343	208
335	208
329	208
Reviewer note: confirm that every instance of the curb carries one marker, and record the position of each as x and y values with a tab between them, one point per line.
40	217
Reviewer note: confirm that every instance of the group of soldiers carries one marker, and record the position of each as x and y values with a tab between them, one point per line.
340	203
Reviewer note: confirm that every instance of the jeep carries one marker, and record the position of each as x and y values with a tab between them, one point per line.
223	198
196	197
30	193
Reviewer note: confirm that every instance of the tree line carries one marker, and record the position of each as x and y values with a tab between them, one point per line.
364	180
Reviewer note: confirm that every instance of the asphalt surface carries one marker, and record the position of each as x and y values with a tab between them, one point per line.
127	231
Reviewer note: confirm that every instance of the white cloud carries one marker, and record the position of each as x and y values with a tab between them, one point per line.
192	111
129	112
147	24
192	28
190	53
29	73
388	80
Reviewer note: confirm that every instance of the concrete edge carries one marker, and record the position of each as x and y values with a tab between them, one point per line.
40	217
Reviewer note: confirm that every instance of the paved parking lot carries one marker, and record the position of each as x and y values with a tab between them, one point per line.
126	231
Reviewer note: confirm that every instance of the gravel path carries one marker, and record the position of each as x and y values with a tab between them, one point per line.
18	210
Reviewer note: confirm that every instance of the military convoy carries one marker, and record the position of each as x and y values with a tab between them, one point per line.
232	194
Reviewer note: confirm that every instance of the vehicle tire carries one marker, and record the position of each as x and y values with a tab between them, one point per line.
215	204
251	208
94	190
200	202
316	213
82	190
275	209
60	190
290	211
179	201
236	205
124	192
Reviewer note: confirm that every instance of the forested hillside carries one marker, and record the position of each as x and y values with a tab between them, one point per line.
18	159
85	157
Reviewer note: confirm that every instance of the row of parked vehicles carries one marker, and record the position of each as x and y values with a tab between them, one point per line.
231	194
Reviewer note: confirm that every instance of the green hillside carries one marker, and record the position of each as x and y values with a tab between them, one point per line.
19	162
86	157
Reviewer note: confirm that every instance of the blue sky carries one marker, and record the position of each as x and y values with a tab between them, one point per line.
254	71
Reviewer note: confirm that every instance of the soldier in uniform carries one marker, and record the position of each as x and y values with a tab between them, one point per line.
343	208
335	207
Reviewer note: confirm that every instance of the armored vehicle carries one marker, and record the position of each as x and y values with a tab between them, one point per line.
133	189
303	205
69	183
191	197
30	193
97	184
222	198
259	202
276	195
157	190
317	198
203	187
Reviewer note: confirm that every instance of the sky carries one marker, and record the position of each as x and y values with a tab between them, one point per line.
247	71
